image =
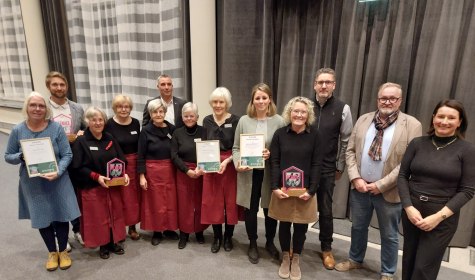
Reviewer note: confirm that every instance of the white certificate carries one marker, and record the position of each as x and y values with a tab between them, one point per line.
207	155
39	156
251	147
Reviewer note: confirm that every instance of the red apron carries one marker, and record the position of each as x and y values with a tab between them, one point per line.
189	193
219	196
101	212
131	193
158	211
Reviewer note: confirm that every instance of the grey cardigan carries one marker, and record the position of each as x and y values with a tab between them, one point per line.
244	179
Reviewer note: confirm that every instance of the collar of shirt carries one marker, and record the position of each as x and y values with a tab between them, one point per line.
57	106
289	129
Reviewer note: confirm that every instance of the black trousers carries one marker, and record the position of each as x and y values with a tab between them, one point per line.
250	215
298	239
51	233
325	210
423	251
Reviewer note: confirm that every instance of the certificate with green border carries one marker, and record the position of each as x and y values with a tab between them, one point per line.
39	156
251	147
207	155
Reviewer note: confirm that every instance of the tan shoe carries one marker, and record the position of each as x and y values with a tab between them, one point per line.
328	260
284	270
52	263
386	277
295	273
64	260
347	265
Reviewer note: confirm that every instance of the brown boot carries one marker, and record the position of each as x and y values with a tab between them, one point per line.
328	260
295	273
284	270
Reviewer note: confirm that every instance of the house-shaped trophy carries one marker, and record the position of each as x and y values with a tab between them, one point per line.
116	172
293	181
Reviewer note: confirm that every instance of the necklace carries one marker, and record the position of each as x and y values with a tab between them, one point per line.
441	147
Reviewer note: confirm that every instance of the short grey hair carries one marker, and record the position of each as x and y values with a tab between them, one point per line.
290	106
92	111
221	92
388	85
24	109
190	106
155	104
163	76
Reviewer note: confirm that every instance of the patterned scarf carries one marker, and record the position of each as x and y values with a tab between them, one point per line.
380	124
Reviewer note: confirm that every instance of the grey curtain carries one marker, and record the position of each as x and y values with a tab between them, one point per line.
426	46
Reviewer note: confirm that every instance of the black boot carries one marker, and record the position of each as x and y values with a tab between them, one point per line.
218	238
183	240
272	250
252	252
200	238
157	237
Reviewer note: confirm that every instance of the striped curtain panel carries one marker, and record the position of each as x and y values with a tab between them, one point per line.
15	74
122	47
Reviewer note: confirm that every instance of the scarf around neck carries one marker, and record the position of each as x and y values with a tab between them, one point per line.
375	150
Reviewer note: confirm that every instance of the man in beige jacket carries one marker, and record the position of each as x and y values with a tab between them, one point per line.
375	150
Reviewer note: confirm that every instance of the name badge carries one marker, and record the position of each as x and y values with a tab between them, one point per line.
169	136
133	132
228	125
197	139
94	148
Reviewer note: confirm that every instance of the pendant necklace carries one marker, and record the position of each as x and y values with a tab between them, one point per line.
441	147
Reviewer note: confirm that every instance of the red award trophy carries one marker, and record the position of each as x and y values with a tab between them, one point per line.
116	173
293	181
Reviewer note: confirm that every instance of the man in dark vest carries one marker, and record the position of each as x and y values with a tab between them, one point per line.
334	122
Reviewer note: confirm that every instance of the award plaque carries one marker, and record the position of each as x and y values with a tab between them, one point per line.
293	181
39	156
116	173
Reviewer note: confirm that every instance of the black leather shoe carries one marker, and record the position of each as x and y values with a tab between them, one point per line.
272	250
104	252
228	244
200	238
183	240
170	234
157	238
216	245
116	249
252	252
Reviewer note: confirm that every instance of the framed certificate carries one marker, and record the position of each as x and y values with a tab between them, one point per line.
251	147
39	156
207	155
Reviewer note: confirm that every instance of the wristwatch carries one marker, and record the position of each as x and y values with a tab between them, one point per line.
443	216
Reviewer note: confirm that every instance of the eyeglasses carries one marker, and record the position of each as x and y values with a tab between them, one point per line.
37	106
300	112
392	100
321	83
126	107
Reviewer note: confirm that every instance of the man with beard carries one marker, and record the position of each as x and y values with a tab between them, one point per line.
70	116
375	150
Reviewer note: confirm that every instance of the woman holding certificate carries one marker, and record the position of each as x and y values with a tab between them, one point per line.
189	182
48	197
126	131
159	210
219	189
295	169
253	184
102	220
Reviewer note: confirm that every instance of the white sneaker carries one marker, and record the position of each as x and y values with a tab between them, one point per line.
78	237
68	246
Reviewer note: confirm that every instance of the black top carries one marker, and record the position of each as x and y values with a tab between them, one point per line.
300	150
92	155
184	147
177	107
154	143
223	133
127	135
448	172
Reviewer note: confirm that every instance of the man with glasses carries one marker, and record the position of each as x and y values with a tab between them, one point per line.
334	121
70	116
173	103
375	150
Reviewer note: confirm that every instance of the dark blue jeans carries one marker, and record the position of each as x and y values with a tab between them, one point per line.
325	204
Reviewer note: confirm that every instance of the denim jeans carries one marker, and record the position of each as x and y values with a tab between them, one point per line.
325	204
389	215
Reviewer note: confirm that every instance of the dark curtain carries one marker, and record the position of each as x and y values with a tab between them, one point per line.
426	46
57	41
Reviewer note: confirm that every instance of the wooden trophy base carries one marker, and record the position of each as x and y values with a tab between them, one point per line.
119	181
72	138
295	191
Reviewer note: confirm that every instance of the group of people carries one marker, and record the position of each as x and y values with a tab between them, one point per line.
164	190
